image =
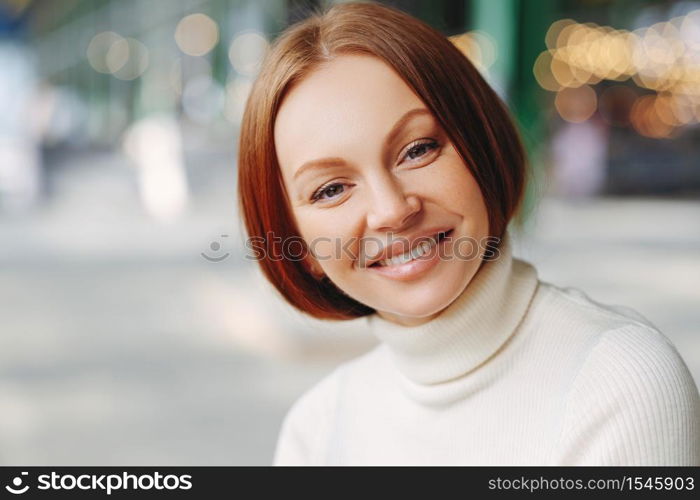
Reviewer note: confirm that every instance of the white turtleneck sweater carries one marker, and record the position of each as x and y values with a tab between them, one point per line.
516	371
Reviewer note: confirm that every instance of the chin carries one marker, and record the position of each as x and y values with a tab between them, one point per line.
423	303
429	300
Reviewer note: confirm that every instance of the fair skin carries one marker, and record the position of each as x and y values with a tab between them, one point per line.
375	192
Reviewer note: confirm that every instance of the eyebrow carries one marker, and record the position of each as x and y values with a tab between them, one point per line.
395	130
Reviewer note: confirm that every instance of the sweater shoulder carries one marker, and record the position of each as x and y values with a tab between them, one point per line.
309	421
574	306
633	402
300	438
620	346
636	358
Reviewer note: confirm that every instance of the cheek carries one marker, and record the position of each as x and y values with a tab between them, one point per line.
452	185
328	235
466	191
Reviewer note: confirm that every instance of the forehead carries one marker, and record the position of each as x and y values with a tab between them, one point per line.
352	98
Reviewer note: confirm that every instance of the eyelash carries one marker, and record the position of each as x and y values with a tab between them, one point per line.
433	144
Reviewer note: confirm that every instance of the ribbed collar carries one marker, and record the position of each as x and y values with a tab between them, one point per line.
471	329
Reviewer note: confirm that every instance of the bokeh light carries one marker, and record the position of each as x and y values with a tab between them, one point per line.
554	30
542	70
646	120
117	55
563	73
196	34
247	51
663	57
690	30
479	47
664	105
128	59
110	53
576	105
99	48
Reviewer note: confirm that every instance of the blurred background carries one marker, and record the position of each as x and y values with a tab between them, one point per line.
133	328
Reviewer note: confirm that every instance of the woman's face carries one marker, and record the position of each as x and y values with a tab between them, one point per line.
370	174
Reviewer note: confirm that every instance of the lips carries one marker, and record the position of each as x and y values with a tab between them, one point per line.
408	243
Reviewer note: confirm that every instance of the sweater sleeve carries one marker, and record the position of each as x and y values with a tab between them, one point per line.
305	427
633	402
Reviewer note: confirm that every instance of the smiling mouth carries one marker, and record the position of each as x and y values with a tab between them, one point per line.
421	249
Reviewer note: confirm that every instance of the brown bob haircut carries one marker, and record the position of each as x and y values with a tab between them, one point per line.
470	112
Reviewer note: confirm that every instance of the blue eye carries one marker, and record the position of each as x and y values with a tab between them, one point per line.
420	149
329	191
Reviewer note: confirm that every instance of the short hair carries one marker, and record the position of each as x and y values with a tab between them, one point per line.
471	113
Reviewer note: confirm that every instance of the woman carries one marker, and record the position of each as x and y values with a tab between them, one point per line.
378	173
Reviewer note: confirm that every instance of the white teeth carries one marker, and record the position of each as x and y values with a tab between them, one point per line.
421	249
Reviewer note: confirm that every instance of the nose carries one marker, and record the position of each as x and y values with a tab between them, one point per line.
391	208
